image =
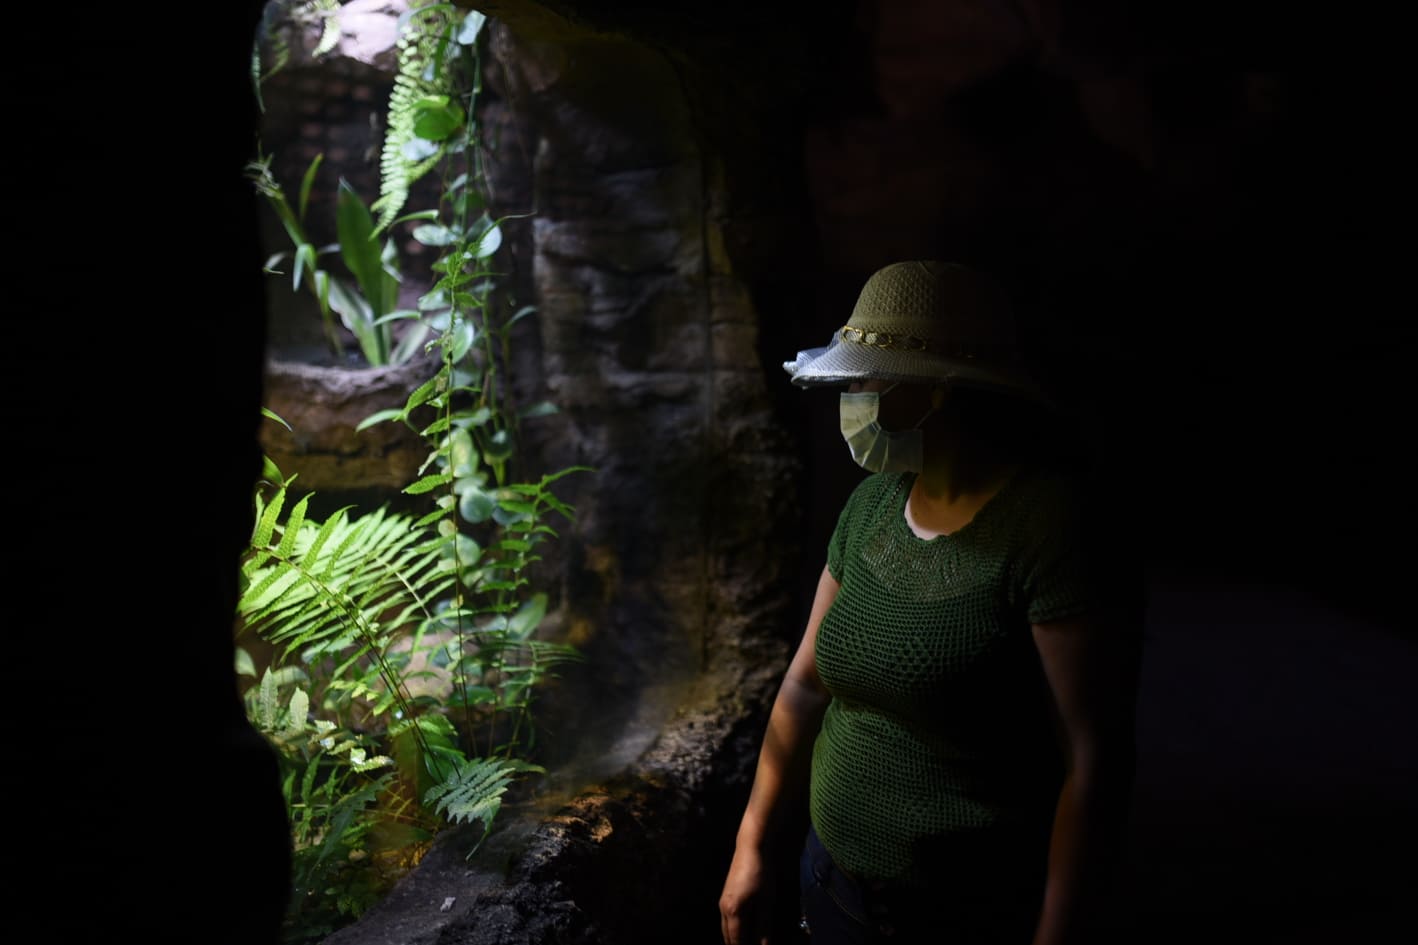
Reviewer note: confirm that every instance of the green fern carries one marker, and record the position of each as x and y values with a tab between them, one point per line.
473	791
333	788
423	118
343	583
452	587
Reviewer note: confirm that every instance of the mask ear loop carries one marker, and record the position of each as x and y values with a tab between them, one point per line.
937	399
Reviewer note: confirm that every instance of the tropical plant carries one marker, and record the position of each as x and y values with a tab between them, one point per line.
372	756
332	781
368	305
416	641
493	523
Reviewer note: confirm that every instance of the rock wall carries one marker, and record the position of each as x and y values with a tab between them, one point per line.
680	559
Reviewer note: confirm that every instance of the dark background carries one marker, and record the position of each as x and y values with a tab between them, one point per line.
1261	410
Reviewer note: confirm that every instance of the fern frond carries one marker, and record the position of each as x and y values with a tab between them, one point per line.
406	156
269	586
334	583
266	703
299	708
267	522
548	654
292	527
473	791
329	13
323	535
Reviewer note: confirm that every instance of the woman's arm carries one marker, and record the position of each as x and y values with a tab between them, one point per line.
779	783
1092	668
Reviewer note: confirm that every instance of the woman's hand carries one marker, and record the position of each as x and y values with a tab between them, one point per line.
779	785
746	904
1092	666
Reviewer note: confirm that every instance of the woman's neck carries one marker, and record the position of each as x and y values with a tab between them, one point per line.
956	481
956	467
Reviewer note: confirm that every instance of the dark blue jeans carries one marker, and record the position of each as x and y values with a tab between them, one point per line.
839	910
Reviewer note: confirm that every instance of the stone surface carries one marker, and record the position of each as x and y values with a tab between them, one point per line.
323	406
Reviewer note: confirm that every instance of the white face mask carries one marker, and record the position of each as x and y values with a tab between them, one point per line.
875	449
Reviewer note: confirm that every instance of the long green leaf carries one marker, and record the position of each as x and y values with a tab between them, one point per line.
267	523
323	534
358	247
307	183
292	528
429	483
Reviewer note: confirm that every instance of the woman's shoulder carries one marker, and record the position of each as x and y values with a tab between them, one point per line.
877	486
1046	496
1072	498
865	504
871	494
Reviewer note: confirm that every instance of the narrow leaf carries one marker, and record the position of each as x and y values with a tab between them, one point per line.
429	483
307	183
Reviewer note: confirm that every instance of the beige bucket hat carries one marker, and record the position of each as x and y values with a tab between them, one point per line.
922	321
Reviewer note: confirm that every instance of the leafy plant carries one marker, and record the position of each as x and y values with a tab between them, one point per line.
411	646
371	767
331	783
493	524
368	306
426	119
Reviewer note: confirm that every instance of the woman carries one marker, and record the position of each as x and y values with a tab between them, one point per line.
959	712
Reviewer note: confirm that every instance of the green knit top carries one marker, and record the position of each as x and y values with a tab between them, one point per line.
938	757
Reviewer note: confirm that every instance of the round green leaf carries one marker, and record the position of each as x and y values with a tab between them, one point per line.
464	455
462	339
431	234
436	118
468	551
463	484
489	243
476	506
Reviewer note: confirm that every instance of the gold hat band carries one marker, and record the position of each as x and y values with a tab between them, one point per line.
894	342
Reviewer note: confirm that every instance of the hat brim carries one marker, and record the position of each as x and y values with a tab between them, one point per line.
840	363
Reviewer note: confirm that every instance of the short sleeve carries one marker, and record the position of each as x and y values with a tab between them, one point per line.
837	546
847	522
1078	559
